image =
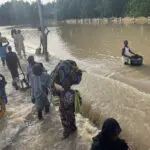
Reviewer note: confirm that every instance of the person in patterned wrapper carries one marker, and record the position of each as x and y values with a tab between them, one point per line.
65	75
67	109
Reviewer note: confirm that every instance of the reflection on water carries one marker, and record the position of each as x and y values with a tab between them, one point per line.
100	47
93	41
109	88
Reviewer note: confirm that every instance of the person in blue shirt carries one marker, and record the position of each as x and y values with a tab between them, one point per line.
3	52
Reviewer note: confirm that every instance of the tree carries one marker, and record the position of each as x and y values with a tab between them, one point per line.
20	12
138	8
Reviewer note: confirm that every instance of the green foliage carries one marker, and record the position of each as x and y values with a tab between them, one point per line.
138	8
101	8
89	8
20	12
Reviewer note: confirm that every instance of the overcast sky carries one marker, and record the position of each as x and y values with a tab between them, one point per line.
43	1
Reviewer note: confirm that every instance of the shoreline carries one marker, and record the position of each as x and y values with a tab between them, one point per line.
113	20
88	21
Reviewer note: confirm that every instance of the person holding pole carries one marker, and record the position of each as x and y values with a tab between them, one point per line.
43	39
44	35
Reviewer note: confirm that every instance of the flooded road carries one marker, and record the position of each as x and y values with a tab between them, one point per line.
109	88
21	130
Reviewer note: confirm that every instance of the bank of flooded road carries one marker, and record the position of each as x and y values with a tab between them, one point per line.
109	88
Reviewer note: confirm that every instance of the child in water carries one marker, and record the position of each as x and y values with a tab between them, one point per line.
67	109
108	138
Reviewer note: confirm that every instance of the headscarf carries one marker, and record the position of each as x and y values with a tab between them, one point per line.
104	140
110	128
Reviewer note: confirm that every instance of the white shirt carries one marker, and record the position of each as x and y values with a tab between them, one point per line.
127	52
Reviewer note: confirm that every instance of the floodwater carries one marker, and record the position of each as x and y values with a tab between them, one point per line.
108	88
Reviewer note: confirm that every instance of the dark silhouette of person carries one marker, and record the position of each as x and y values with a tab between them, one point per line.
108	138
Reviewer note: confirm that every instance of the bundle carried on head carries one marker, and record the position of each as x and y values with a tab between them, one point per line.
66	73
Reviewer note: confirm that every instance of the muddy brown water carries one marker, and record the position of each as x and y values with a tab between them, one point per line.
109	88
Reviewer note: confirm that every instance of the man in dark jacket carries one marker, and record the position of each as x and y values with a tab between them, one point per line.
13	63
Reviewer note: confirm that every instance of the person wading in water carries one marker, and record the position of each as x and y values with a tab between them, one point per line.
40	85
13	65
127	53
19	43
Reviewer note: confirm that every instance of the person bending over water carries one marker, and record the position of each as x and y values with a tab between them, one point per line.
108	138
127	53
